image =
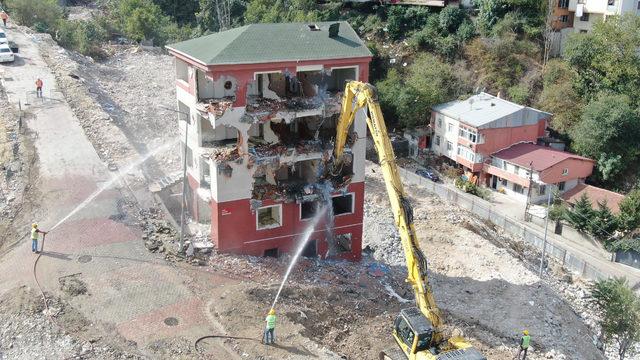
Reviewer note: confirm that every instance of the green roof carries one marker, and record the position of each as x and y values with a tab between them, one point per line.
261	43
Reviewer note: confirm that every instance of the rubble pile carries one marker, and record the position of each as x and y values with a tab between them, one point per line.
216	106
16	169
120	124
158	235
26	332
223	154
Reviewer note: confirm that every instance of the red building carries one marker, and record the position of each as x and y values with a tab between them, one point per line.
259	106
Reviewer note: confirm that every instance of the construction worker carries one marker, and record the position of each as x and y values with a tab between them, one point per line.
269	336
39	85
4	16
524	344
34	237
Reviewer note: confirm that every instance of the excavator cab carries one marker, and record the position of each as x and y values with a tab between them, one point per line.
413	331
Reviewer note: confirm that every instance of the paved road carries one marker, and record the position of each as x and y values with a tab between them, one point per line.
131	289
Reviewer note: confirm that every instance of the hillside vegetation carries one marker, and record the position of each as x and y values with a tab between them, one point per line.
422	56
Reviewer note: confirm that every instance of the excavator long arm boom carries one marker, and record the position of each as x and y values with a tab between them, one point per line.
357	97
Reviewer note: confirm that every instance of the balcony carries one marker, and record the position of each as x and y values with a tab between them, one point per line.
501	173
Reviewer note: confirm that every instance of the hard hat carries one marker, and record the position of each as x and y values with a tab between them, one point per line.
34	225
272	311
526	332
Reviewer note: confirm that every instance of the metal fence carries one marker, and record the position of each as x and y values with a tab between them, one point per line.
485	210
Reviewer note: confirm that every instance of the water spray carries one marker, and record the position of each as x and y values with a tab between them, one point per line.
109	183
303	242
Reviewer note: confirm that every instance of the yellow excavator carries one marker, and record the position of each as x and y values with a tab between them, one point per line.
418	329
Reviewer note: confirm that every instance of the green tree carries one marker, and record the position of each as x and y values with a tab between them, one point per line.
609	127
43	15
607	58
629	216
603	223
402	20
450	18
501	62
182	11
274	11
581	214
619	310
559	96
409	98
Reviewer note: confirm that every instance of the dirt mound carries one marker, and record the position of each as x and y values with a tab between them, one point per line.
72	285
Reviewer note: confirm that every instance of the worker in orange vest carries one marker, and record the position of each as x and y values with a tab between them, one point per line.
39	84
4	16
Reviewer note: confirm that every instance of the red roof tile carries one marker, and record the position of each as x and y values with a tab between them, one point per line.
596	195
540	157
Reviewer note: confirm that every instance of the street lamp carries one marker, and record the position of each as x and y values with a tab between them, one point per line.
184	174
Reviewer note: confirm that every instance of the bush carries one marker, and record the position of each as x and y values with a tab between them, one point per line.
403	20
42	15
84	37
629	216
519	94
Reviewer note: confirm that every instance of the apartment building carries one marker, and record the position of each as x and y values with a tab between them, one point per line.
529	170
469	131
579	16
258	105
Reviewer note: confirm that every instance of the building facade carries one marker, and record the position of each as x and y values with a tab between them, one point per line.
259	105
527	170
468	132
579	16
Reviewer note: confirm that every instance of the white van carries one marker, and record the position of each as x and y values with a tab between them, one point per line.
6	55
3	37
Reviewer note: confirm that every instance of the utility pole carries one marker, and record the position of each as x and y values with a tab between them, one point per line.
546	225
184	175
526	208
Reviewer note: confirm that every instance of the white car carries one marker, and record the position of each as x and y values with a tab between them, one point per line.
3	38
6	55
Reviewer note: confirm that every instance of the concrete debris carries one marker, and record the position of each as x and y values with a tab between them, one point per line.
73	285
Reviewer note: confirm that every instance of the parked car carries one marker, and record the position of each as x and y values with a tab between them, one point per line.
3	37
428	174
6	55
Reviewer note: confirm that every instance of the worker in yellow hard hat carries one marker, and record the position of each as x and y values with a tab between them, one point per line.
269	336
524	344
34	237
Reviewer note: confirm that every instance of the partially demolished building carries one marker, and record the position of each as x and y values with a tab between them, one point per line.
258	106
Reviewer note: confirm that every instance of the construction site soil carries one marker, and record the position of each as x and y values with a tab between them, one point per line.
484	281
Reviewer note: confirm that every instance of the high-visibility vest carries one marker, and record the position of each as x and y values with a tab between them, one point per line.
271	321
34	234
525	341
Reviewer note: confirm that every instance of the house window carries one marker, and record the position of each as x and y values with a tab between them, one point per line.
611	2
439	120
438	140
184	113
449	146
564	18
561	186
542	189
504	165
563	4
449	127
269	217
565	172
308	209
638	5
518	188
343	243
504	182
583	31
182	70
342	204
473	137
516	169
189	154
584	17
